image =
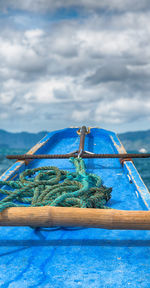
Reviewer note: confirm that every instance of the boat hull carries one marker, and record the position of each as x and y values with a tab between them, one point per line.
80	257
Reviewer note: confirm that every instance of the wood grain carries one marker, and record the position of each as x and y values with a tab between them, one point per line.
84	217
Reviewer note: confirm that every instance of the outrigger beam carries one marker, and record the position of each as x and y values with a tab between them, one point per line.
49	216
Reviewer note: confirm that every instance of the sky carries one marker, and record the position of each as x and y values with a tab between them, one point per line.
72	63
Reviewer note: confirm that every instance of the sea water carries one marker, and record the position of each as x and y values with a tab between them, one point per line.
6	163
142	165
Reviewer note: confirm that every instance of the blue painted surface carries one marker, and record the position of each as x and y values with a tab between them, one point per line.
81	257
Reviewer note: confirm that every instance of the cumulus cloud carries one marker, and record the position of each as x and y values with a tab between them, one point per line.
92	69
123	109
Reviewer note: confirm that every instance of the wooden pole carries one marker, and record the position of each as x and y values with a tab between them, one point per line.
49	216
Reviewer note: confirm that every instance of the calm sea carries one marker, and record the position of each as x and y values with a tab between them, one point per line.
142	165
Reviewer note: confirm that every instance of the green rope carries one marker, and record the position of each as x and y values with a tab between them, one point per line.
55	187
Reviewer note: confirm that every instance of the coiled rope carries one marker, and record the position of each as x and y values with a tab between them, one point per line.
54	187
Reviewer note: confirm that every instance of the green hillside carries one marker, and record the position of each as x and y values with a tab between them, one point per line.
22	140
136	140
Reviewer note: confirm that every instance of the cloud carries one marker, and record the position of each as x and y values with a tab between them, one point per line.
20	54
80	115
93	69
123	109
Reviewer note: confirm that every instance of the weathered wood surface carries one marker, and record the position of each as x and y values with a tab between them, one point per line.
77	217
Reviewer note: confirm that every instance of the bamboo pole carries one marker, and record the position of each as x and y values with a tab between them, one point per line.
49	216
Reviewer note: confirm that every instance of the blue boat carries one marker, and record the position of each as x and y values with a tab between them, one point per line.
76	256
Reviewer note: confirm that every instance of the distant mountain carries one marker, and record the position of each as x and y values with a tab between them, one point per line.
22	140
136	141
133	141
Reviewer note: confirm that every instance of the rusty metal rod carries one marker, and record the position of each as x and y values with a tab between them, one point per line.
84	155
83	132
